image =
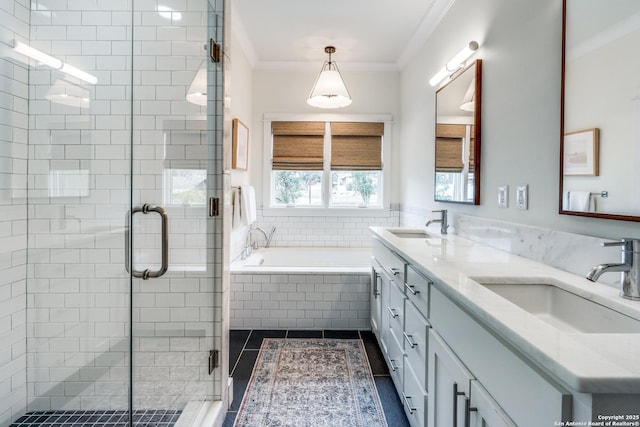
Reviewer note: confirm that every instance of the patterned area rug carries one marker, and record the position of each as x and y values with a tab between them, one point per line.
311	382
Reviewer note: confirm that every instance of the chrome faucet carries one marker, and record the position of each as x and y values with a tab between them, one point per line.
629	268
442	221
249	246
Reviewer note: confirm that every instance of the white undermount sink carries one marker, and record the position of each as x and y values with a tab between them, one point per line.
410	233
564	310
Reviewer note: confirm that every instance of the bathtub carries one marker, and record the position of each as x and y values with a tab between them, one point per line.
302	288
306	260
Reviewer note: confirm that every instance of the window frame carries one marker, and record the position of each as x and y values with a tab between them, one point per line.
326	209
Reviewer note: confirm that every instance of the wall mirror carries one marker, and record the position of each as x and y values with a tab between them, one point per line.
457	146
600	122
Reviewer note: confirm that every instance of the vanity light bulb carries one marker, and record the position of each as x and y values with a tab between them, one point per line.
462	56
455	63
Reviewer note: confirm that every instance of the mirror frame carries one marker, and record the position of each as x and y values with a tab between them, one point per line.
477	118
561	211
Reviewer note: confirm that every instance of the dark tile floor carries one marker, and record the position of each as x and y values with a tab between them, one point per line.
243	352
140	418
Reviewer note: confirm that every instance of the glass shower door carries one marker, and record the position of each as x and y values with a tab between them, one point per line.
173	177
123	158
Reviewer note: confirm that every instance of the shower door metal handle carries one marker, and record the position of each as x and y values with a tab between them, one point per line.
148	273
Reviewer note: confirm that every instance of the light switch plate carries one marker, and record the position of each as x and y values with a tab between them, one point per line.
503	196
522	196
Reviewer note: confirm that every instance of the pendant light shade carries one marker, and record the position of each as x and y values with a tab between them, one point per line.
329	90
197	93
469	100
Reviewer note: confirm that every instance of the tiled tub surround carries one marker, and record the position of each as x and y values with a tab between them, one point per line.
587	364
294	229
304	294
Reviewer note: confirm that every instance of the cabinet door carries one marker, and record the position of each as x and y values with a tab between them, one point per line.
449	385
375	299
483	411
416	337
383	290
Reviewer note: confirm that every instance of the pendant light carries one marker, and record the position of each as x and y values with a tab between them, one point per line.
329	90
197	93
469	100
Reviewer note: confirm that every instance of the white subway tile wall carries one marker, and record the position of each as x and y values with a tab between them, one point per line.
300	301
79	157
14	96
324	230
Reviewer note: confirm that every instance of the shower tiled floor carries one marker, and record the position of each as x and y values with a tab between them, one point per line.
141	418
243	352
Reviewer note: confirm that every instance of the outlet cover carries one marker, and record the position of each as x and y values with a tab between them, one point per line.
503	196
522	196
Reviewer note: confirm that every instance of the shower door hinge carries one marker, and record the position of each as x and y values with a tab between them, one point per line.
213	360
214	206
214	50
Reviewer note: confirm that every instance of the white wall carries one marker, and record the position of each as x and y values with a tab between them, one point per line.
286	91
241	104
521	52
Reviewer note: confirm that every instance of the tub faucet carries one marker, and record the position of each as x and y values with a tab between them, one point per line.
442	221
629	268
249	246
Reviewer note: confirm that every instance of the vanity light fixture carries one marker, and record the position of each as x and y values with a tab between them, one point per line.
52	62
329	90
455	63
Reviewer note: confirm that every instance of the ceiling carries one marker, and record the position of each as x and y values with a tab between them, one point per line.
372	33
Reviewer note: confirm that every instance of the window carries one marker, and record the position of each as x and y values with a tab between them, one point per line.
326	164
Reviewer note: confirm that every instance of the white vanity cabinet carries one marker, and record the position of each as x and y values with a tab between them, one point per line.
403	328
448	368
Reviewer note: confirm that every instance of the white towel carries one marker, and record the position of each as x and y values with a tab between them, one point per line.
248	204
236	221
580	201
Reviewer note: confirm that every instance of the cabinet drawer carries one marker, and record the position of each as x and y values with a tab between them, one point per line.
395	360
417	290
414	399
396	311
391	263
416	339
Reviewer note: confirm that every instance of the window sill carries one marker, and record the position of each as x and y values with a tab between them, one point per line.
361	212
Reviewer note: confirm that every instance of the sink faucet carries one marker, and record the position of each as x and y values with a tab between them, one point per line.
249	246
629	268
442	221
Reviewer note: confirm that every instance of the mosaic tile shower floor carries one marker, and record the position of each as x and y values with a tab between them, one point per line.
140	418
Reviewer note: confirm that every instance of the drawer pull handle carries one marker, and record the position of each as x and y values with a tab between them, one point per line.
392	365
411	289
394	271
468	409
407	402
409	339
392	311
456	394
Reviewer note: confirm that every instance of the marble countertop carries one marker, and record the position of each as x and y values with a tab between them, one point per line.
587	362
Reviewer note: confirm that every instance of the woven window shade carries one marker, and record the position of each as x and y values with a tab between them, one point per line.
356	146
298	145
449	147
449	155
